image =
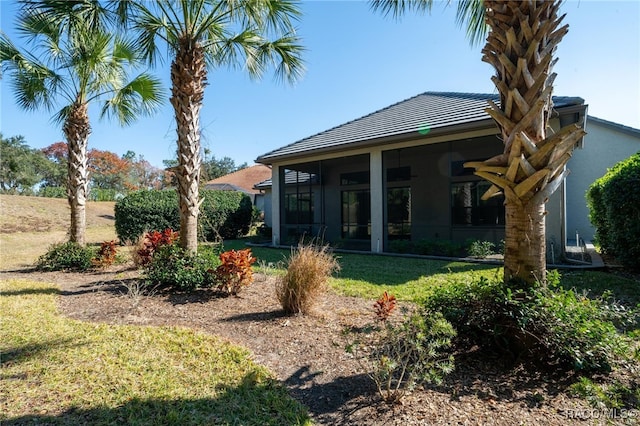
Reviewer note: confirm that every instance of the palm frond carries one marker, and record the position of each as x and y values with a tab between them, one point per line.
470	13
397	8
33	82
239	49
281	15
285	54
142	95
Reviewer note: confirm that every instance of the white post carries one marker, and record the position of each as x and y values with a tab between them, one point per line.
275	205
377	201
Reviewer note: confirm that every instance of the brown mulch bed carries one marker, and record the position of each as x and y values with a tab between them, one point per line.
307	354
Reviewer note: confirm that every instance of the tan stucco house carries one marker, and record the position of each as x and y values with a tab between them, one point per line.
397	174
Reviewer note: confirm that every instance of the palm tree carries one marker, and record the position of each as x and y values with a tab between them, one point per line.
82	63
202	35
522	39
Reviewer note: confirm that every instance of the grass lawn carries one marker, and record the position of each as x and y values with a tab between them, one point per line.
61	371
412	278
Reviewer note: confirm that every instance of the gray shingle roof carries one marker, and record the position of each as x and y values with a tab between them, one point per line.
418	115
290	177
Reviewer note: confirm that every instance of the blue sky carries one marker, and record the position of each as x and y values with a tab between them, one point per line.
358	62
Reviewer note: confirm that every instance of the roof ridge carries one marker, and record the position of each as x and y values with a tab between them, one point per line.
428	93
429	110
238	171
610	123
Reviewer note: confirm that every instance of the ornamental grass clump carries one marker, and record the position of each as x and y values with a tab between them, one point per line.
308	270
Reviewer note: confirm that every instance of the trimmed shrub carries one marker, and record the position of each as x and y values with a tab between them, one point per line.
178	269
69	256
614	204
223	214
144	211
548	322
308	270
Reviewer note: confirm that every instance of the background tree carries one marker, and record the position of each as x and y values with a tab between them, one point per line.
142	174
57	153
202	35
107	170
213	167
21	167
73	60
522	40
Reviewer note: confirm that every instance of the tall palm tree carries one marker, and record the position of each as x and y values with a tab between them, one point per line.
202	35
522	40
73	61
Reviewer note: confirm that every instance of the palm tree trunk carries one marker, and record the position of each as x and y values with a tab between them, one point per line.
77	130
525	243
188	78
520	46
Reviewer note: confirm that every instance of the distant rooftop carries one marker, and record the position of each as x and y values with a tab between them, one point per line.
241	180
416	116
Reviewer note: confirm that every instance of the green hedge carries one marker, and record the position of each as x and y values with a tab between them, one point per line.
614	204
223	214
95	194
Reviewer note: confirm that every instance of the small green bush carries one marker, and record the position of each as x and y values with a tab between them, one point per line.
614	204
481	249
608	396
102	194
399	356
223	214
548	322
53	192
173	267
69	256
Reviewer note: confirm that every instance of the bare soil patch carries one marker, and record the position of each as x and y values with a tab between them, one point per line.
307	354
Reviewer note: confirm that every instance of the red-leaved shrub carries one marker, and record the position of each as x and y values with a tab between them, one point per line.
150	242
235	271
384	306
106	256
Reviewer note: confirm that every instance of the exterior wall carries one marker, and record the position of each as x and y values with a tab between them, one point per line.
263	202
430	184
605	145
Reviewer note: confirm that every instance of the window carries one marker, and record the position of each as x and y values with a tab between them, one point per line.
356	214
355	178
467	207
399	213
298	208
458	169
399	174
